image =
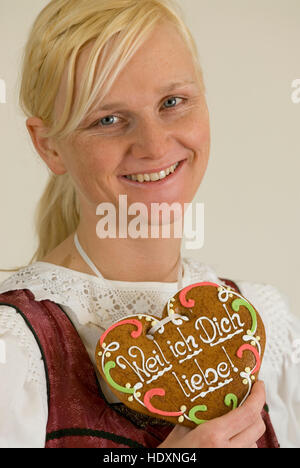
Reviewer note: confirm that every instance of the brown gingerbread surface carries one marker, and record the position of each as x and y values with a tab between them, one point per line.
197	362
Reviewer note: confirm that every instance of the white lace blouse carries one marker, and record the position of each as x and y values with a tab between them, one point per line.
93	304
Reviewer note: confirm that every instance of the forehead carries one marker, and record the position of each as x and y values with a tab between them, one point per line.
163	58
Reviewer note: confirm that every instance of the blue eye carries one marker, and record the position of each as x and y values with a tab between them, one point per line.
109	120
106	120
172	99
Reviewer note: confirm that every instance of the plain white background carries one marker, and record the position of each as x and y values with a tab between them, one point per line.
249	50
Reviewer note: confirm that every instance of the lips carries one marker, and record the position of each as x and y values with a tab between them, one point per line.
152	171
165	181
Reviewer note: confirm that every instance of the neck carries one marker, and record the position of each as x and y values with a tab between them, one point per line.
134	260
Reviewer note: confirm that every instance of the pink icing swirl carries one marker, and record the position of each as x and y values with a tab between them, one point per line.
158	392
183	292
248	347
134	333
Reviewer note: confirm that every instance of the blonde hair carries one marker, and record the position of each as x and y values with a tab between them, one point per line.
62	29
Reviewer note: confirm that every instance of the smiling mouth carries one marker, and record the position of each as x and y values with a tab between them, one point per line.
153	176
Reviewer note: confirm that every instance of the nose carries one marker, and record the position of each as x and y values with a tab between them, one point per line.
152	139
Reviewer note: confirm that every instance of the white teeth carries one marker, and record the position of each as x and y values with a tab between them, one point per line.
154	176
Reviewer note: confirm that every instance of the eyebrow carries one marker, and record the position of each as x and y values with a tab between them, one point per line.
163	89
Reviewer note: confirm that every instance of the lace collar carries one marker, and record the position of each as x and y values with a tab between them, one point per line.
96	300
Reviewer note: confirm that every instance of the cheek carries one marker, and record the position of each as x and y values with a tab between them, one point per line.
87	167
197	134
90	160
197	140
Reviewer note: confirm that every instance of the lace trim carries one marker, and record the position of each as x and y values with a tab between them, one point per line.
12	322
92	299
94	302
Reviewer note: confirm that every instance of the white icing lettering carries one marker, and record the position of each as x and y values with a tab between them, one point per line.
162	354
214	330
190	356
135	370
212	389
225	322
186	394
173	352
156	356
188	340
160	373
217	326
151	362
233	317
134	363
177	344
223	370
210	334
226	338
196	382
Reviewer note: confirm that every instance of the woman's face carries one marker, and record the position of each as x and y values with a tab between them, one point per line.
151	127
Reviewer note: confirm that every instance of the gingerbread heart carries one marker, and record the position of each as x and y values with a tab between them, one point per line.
196	363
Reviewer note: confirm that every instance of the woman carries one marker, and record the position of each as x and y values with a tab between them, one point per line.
113	92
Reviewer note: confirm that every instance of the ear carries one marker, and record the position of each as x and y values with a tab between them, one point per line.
45	146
